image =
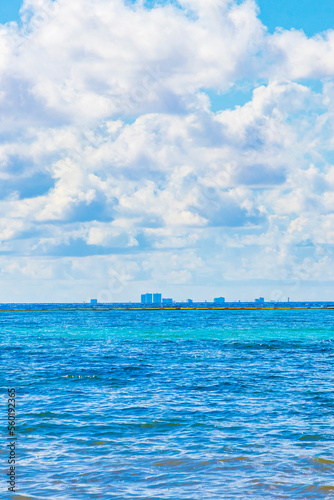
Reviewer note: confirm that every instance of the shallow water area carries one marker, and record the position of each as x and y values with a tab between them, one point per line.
172	405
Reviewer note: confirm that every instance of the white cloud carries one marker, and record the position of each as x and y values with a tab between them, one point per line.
109	149
297	56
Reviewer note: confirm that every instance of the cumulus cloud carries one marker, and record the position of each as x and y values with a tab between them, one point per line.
110	150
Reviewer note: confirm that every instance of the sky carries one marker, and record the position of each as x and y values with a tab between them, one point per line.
181	147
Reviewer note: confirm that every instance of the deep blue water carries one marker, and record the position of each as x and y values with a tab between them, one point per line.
171	404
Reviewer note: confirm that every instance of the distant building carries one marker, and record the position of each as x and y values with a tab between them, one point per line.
157	298
219	300
167	301
149	298
259	301
93	302
190	301
146	298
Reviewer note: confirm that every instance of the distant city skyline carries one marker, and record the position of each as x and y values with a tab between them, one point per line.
156	299
218	302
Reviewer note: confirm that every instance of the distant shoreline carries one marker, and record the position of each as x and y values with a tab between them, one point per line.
175	308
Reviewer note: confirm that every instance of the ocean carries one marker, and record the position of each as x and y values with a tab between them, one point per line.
178	404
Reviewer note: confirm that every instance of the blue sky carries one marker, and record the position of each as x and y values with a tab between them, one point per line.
312	17
187	151
9	10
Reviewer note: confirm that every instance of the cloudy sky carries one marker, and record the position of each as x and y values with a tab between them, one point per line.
185	147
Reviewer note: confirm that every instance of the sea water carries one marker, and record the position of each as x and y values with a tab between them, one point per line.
170	404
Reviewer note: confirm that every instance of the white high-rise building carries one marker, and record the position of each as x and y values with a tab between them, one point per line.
157	298
148	298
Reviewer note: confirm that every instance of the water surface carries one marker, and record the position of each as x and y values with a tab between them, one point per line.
172	405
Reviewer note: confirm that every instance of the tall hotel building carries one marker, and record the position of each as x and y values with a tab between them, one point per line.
146	298
157	298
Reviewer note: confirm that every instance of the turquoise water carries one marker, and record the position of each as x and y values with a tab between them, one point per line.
171	404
